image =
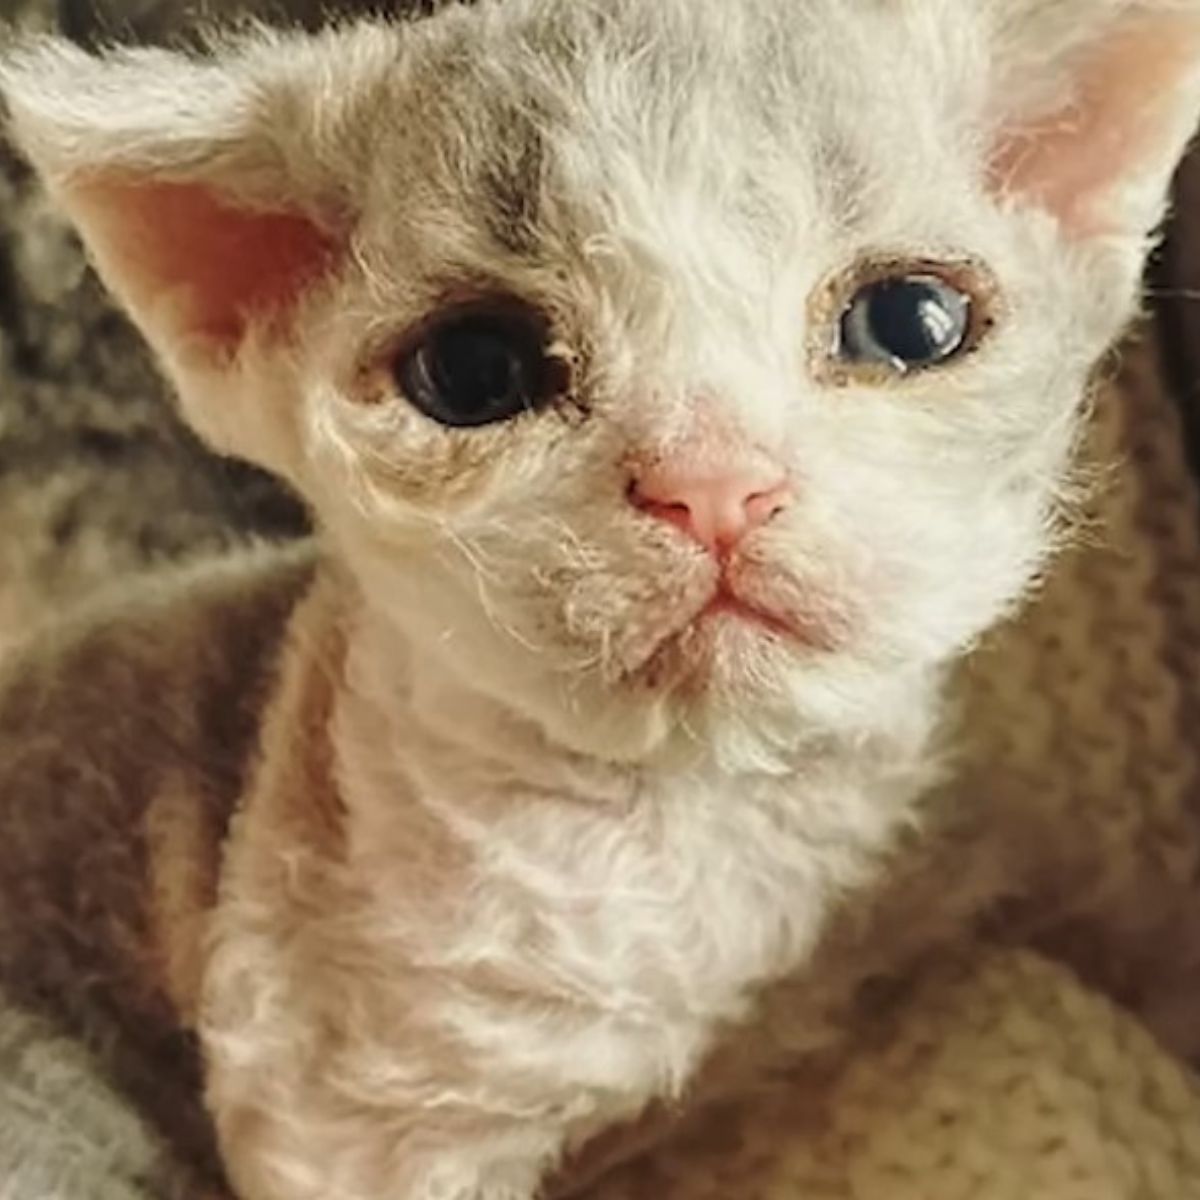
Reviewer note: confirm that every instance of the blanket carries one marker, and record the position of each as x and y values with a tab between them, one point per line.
999	1078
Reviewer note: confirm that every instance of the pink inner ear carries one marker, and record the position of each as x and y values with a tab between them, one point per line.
1073	162
179	244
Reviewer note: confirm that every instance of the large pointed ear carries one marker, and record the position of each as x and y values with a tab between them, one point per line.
198	185
1095	102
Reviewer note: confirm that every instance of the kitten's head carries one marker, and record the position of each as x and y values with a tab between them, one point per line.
670	368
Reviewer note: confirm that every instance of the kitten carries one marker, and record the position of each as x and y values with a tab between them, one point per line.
679	388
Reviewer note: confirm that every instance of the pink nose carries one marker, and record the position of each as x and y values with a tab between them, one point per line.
716	505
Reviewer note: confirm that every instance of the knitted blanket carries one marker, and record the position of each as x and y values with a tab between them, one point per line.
1000	1078
1018	1059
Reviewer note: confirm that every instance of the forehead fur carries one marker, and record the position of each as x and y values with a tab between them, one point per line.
562	149
505	143
571	120
552	129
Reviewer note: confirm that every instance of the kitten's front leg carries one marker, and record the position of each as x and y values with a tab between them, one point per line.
273	1158
316	1150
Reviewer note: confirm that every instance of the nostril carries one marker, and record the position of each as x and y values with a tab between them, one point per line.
765	505
673	512
636	495
671	509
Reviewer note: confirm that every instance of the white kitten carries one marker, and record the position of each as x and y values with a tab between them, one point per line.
679	386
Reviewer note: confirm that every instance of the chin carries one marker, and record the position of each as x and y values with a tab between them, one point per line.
726	691
746	685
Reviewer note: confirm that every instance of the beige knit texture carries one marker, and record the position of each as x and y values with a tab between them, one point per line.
1001	1079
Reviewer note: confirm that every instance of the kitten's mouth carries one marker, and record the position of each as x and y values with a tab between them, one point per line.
731	604
725	603
715	628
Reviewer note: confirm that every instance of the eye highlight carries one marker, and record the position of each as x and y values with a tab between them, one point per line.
478	367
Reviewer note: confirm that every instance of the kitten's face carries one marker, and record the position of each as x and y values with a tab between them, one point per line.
678	371
680	281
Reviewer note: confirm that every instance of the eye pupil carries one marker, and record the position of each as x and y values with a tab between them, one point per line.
905	323
476	369
477	366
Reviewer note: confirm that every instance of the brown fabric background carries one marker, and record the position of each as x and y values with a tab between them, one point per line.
1175	296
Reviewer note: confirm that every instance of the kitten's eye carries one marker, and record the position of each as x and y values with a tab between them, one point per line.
476	368
906	323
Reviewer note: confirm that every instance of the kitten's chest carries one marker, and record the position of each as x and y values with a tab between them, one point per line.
649	891
693	902
576	924
678	906
632	938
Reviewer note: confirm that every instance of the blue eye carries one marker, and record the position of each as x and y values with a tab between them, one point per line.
907	323
477	368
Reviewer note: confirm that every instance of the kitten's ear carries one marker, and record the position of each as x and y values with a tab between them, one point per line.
178	174
198	186
1096	101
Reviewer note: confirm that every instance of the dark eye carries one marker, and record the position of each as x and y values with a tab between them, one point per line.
477	368
905	323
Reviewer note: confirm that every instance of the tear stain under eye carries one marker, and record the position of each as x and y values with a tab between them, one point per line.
570	386
373	386
829	300
449	466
